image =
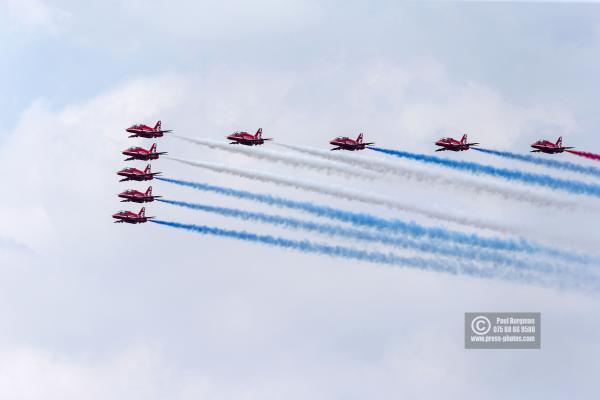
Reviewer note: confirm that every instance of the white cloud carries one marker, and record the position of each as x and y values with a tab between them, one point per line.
230	320
138	373
35	15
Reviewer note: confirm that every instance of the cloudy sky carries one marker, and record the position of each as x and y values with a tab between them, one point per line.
91	309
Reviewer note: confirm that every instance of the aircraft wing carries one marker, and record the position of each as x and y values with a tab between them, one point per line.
441	149
257	140
336	148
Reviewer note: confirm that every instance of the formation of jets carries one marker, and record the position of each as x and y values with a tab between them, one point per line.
247	139
135	174
349	144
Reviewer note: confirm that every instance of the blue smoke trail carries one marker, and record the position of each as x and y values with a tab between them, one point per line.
335	230
411	228
509	174
310	247
370	256
565	281
563	165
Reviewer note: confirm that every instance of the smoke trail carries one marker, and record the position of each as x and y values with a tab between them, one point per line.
395	225
342	193
562	165
370	236
289	159
385	167
575	187
378	257
310	247
585	154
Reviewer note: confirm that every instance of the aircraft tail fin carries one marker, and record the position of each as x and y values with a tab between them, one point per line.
157	127
464	139
148	169
153	148
258	134
149	191
559	141
142	212
359	139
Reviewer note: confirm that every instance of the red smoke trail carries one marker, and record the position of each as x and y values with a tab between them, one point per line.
585	154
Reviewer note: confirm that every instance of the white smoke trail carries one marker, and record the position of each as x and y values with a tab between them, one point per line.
329	167
344	194
388	167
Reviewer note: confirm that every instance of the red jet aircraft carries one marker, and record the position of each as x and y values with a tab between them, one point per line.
451	144
145	131
247	139
130	217
137	196
546	146
345	143
138	153
134	174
